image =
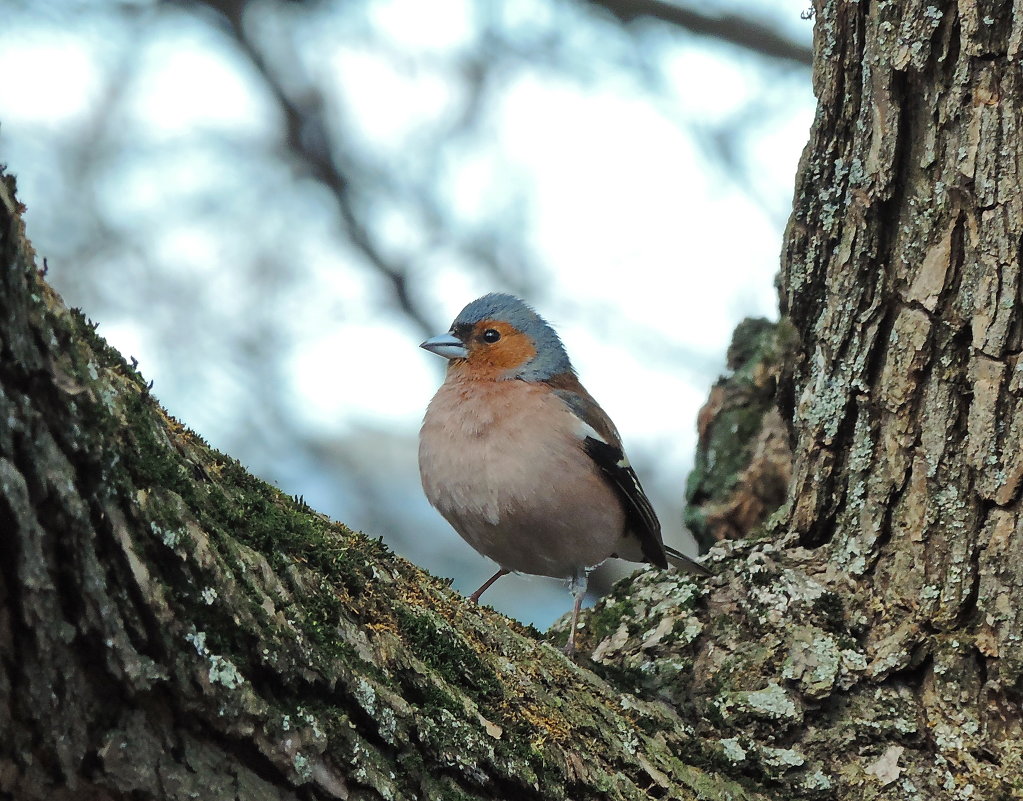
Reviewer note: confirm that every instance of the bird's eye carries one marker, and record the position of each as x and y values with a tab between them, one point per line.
491	335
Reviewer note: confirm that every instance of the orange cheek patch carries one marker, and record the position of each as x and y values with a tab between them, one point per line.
512	350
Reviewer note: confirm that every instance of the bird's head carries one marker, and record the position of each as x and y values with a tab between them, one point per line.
499	336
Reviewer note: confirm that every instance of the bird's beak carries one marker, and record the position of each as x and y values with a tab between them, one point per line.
447	345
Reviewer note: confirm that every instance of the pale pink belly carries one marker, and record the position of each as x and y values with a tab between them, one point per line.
521	493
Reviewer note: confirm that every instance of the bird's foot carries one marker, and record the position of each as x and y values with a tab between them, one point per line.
475	597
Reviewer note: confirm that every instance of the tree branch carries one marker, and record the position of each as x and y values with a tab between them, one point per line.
308	140
736	30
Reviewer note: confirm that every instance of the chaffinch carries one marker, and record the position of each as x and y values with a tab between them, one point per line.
523	462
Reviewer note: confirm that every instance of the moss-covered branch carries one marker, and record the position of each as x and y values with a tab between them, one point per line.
743	460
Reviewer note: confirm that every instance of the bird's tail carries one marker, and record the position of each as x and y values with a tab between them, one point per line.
686	563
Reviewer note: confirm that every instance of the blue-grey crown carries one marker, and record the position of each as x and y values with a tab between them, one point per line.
551	358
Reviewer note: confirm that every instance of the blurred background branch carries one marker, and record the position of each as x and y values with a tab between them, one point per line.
758	36
625	166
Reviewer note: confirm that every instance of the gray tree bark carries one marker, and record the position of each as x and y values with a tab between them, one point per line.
872	646
171	627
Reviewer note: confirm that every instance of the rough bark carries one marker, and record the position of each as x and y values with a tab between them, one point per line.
171	627
902	274
874	648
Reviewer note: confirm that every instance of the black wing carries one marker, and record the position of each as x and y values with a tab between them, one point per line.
603	445
641	521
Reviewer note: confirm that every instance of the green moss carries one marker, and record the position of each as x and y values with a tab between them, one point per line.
520	749
83	330
261	517
558	639
444	789
830	611
763	578
148	460
428	697
628	679
322	611
693	516
605	619
257	515
754	342
442	649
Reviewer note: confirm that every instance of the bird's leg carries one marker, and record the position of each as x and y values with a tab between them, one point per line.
578	588
475	597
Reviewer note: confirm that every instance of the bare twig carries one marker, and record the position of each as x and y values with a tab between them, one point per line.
308	140
730	28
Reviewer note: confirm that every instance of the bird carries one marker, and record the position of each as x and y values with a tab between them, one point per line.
521	460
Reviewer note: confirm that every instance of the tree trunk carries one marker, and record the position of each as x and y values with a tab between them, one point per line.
743	459
172	628
875	648
902	274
